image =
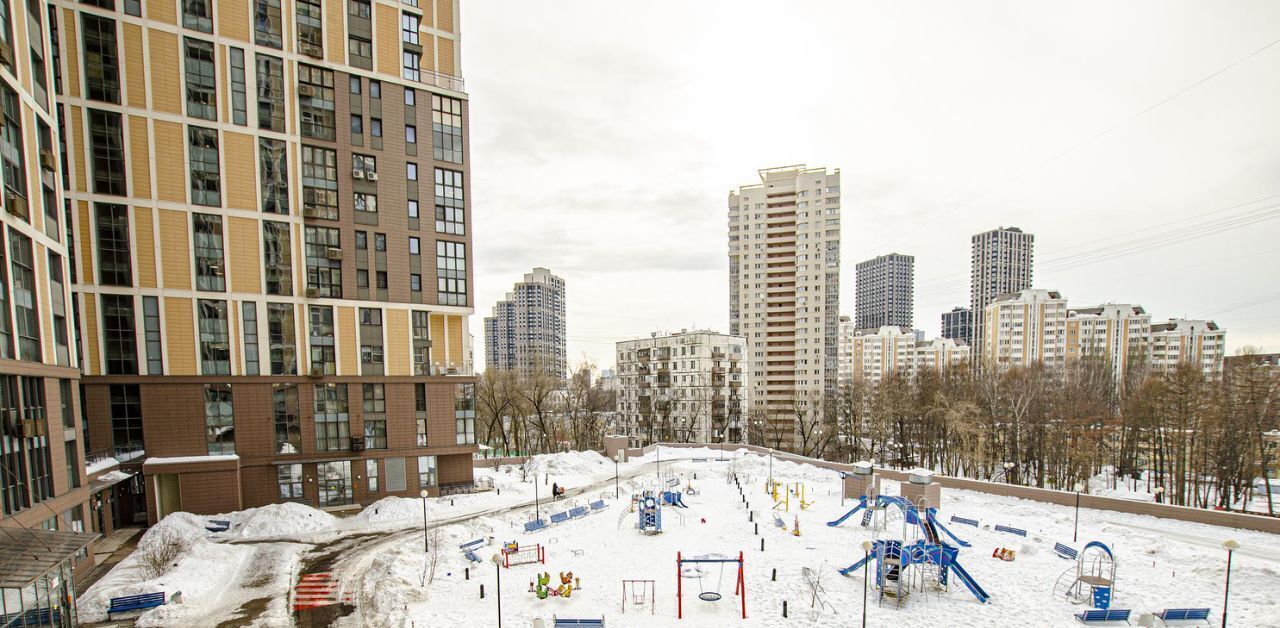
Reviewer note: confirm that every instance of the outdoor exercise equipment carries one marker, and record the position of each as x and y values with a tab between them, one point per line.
1092	579
514	554
639	590
696	571
900	568
927	520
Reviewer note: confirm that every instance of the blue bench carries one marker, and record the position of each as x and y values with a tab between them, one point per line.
135	603
535	525
469	549
579	511
968	522
1102	616
218	525
1065	551
33	617
1017	531
1184	614
597	505
560	517
565	621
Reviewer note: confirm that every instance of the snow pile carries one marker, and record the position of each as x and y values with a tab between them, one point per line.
278	520
587	463
98	466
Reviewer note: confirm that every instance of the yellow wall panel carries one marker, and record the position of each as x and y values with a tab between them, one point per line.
139	157
448	64
166	76
456	355
180	336
77	135
386	36
171	162
242	189
71	51
84	244
233	19
444	15
437	339
348	349
428	52
162	10
175	249
397	342
335	45
245	255
144	245
135	67
92	365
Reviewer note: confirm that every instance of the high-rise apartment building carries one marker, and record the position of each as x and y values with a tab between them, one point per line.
1001	264
526	332
48	507
263	309
884	292
686	386
887	351
844	352
1199	343
1118	334
957	324
1025	328
784	291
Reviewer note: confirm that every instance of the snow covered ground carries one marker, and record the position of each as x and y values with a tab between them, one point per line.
1161	563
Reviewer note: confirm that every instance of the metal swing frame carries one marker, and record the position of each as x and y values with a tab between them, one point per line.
638	600
739	587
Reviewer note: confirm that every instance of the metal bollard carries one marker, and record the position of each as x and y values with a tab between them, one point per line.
762	544
467	572
784	608
482	591
775	576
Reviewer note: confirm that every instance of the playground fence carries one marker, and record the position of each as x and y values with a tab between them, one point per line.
524	556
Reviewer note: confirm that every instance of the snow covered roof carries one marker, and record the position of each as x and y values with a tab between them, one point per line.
191	459
98	466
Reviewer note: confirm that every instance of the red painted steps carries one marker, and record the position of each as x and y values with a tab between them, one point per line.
315	590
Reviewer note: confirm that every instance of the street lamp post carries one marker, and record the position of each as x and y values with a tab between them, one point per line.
1230	545
866	554
537	507
617	492
426	543
497	570
1075	536
770	466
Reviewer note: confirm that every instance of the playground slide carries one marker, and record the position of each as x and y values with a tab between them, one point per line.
846	515
938	526
968	581
856	566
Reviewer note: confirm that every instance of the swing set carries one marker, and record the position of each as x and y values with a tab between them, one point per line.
694	570
639	591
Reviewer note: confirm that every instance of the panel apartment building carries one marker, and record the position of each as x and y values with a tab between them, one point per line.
784	291
527	330
686	386
263	309
884	292
876	355
1001	264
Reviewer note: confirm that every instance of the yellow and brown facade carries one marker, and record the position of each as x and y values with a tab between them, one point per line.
272	255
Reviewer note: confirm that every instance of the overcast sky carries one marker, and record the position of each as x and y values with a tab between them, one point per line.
606	135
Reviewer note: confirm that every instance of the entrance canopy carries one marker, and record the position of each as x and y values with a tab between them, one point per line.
27	554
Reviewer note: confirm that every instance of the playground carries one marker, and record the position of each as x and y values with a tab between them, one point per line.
681	546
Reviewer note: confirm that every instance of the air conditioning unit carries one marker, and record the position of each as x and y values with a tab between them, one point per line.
312	293
216	269
372	176
15	204
48	160
357	174
306	90
357	443
333	254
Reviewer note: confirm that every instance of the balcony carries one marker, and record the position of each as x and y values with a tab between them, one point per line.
447	81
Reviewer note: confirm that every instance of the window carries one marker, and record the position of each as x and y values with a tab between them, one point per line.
26	318
371	474
249	316
37	439
115	267
71	455
411	171
450	206
202	89
323	273
334	479
415	246
310	33
277	260
219	421
375	416
323	358
101	62
319	182
284	409
412	68
107	142
421	343
451	273
410	97
239	97
120	341
206	179
266	23
413	208
362	240
366	203
289	481
380	242
315	94
11	151
215	352
58	308
332	421
375	127
375	89
362	278
282	338
68	403
410	134
464	413
126	417
420	411
207	236
270	93
446	128
151	329
380	278
13	471
198	15
426	471
359	8
409	27
360	47
365	164
357	124
274	160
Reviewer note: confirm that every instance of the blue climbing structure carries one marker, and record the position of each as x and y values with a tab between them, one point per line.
650	511
927	519
893	558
